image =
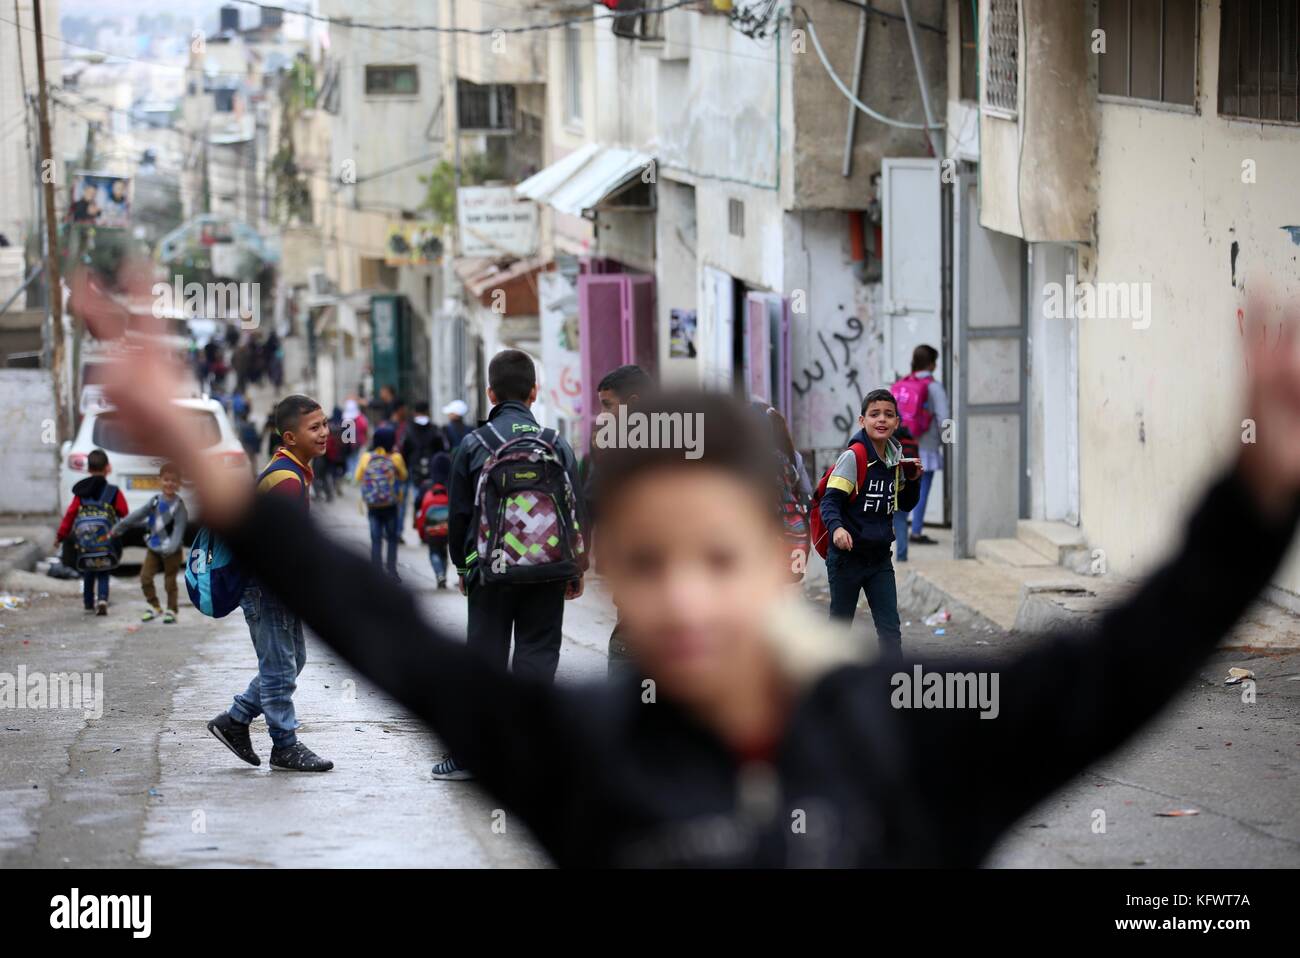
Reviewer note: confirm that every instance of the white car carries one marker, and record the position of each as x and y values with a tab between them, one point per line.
132	467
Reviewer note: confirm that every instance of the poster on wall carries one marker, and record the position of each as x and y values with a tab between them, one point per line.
100	199
557	299
681	342
412	244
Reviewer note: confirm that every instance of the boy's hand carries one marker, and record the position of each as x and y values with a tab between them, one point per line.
1270	464
912	469
573	588
144	381
460	584
842	539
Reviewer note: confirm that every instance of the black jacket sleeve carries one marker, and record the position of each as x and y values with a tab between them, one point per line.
519	736
910	494
1079	695
460	508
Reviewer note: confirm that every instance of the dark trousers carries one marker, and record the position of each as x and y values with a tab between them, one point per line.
535	615
89	582
383	528
851	574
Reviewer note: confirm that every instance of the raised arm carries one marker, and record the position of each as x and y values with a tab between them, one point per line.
1076	696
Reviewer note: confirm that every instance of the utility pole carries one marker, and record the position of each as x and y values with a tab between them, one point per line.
51	234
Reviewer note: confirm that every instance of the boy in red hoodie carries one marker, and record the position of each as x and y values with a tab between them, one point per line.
95	492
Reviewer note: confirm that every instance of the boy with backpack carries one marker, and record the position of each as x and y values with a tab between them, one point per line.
432	513
923	409
853	525
276	631
164	519
381	473
515	530
421	441
88	527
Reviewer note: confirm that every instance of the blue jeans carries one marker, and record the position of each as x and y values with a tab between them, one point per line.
404	490
851	574
281	655
918	514
383	525
900	535
438	559
89	580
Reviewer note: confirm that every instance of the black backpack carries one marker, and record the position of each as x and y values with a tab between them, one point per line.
526	511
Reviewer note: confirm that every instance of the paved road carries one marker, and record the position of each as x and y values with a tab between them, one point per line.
144	785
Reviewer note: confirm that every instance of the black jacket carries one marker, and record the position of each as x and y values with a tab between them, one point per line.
510	418
420	444
602	779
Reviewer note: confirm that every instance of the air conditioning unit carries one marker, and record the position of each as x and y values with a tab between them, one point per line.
319	288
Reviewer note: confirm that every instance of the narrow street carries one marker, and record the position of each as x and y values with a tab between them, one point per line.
145	785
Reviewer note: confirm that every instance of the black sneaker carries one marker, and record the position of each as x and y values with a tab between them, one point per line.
923	540
448	770
442	583
298	758
233	735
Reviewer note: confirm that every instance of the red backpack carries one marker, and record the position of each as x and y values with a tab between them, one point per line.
820	537
434	515
910	394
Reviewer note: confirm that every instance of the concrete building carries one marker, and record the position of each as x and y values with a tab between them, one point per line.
1126	172
19	136
722	206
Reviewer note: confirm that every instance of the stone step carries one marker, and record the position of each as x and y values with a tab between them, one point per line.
1055	541
1010	552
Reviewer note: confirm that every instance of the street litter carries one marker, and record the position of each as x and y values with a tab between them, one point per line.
937	618
1178	813
940	631
1237	676
10	601
980	642
11	541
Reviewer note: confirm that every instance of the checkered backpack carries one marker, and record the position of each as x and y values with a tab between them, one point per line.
527	516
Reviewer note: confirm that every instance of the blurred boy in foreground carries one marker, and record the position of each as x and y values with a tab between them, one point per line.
756	717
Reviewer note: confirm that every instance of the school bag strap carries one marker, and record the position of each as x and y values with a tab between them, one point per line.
860	454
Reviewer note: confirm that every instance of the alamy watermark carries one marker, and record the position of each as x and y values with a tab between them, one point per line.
920	689
1085	300
242	301
630	429
53	690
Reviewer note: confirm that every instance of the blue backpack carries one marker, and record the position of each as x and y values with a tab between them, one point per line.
212	578
92	532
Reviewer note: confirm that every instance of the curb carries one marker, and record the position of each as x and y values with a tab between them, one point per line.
23	558
919	597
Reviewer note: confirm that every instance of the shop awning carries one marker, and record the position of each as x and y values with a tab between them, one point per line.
482	276
586	177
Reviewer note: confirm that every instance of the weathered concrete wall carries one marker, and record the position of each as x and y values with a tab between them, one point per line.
27	449
889	86
1037	170
1160	407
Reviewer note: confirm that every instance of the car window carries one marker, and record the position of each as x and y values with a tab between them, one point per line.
111	437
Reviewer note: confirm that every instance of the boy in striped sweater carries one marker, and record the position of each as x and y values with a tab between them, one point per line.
276	631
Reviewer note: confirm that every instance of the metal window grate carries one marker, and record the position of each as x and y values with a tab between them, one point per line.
1259	60
485	107
1002	77
735	217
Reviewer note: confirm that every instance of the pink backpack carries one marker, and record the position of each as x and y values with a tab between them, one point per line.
911	394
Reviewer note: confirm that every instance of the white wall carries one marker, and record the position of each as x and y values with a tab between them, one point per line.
30	463
1159	407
